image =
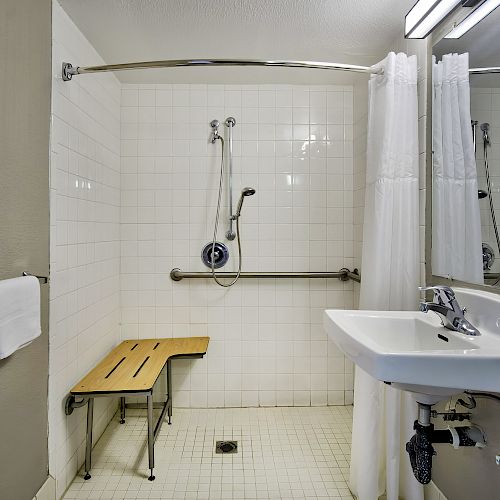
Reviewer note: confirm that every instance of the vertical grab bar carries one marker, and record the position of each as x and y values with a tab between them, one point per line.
230	123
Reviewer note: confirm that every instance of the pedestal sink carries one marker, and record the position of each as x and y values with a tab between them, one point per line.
412	351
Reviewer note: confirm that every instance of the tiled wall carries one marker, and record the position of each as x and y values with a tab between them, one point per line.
485	107
85	246
294	145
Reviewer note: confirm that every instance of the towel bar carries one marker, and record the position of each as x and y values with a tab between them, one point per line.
43	279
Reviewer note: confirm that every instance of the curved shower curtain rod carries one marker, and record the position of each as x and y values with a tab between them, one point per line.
68	70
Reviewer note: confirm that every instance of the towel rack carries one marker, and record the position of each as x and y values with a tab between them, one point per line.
344	275
43	279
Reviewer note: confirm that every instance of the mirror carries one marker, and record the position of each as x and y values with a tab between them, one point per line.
466	156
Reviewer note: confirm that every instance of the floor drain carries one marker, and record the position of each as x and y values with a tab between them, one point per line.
226	447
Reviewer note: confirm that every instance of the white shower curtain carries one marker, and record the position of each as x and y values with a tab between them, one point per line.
383	416
456	224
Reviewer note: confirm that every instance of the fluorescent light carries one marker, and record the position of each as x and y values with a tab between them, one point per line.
425	15
418	11
472	19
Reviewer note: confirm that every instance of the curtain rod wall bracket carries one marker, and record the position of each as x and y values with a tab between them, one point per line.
68	71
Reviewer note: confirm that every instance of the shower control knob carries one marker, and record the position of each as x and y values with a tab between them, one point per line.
218	254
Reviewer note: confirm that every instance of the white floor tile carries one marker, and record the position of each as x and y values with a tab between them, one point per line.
283	453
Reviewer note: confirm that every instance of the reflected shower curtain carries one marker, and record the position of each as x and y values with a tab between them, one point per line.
383	416
456	225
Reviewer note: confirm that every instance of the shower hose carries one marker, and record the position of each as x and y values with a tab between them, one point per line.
490	197
216	226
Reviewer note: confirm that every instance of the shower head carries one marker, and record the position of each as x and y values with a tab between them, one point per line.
485	127
248	191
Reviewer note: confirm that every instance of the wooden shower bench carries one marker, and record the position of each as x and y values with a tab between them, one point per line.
131	369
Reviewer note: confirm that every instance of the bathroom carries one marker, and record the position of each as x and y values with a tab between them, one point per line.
115	180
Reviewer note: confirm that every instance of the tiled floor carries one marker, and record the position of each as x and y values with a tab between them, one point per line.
284	453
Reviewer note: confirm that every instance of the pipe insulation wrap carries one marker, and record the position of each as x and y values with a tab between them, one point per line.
421	451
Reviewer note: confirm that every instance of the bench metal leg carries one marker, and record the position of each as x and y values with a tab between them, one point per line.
122	410
169	391
88	447
151	437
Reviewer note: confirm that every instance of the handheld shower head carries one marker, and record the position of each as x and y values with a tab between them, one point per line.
485	127
248	191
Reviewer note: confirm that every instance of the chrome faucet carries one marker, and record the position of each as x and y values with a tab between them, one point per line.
446	306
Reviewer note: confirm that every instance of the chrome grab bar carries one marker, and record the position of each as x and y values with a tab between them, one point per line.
344	275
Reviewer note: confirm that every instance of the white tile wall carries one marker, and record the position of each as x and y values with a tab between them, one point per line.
84	233
294	145
485	107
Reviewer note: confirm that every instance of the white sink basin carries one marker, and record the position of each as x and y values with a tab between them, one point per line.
412	351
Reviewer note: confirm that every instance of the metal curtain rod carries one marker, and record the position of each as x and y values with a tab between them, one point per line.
344	275
484	71
68	70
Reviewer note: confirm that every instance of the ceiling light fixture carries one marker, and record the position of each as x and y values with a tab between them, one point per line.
472	19
425	15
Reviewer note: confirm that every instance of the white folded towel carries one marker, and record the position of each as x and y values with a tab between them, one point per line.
19	313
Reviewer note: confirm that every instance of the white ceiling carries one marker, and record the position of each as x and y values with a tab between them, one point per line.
348	31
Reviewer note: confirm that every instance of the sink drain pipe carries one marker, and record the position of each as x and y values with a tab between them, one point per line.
420	449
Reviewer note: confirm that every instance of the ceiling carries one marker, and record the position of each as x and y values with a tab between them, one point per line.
346	31
483	45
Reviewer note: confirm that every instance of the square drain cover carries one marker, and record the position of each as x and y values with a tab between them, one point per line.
226	447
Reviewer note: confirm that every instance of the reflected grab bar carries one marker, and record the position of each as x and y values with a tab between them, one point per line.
491	276
344	275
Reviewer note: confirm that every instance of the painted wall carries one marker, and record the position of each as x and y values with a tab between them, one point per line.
24	234
294	145
85	246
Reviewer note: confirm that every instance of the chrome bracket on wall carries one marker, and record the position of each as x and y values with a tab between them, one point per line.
71	403
67	71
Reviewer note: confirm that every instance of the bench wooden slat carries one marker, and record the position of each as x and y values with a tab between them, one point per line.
134	365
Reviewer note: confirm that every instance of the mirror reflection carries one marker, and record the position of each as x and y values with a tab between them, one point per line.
466	155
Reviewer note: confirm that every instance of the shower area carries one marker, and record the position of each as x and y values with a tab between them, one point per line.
161	192
267	342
